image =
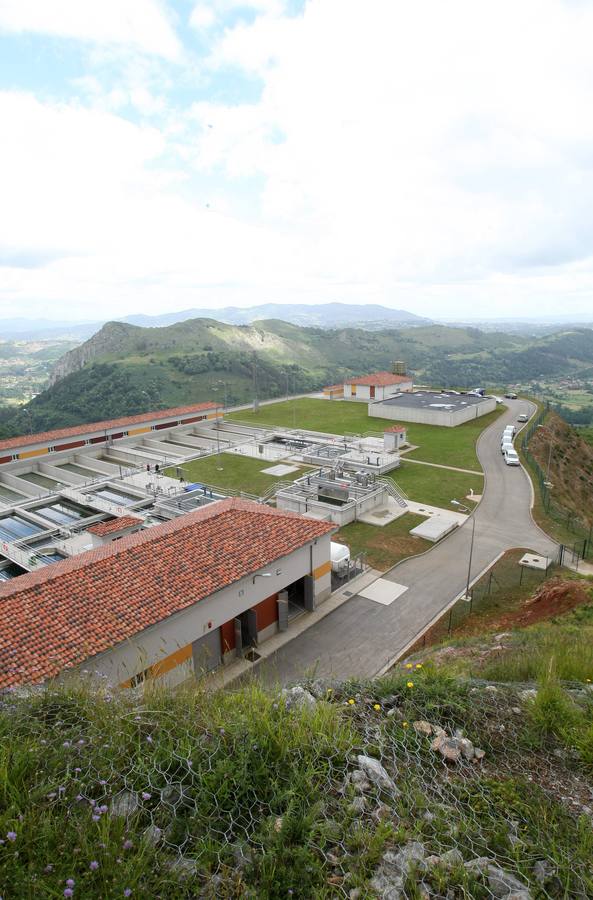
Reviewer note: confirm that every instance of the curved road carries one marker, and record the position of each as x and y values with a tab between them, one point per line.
361	638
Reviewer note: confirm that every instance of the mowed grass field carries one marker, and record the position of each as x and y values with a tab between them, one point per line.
447	446
436	487
232	472
384	546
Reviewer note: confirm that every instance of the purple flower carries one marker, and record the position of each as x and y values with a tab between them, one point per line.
146	795
77	769
127	892
68	892
70	882
79	797
128	844
66	744
51	796
11	835
96	818
103	809
80	743
94	865
103	782
149	739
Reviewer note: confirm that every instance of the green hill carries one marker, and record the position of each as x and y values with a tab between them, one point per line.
124	369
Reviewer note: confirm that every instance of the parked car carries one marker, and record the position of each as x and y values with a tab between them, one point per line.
510	395
511	457
523	418
506	445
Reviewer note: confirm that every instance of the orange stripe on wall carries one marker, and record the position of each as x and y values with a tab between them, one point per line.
138	431
29	453
165	665
322	570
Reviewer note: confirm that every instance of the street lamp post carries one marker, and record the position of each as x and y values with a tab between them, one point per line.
468	596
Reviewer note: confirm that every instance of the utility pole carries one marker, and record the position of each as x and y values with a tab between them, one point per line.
255	400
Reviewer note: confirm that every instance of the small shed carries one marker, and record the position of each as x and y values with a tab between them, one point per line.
333	392
395	437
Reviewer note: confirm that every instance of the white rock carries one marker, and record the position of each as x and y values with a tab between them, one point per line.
377	773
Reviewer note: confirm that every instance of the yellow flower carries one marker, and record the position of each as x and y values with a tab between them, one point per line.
418	665
351	702
410	684
409	666
404	724
588	680
330	690
376	706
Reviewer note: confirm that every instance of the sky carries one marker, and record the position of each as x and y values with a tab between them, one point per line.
157	155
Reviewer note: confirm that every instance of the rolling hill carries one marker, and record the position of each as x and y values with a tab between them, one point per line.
125	368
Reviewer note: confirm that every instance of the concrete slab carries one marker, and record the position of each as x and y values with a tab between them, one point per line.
280	470
531	561
421	509
383	591
435	528
384	514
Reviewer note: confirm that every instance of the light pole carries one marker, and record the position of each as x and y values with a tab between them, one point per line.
28	411
468	597
219	466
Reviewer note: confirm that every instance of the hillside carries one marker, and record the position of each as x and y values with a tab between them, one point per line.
125	368
464	773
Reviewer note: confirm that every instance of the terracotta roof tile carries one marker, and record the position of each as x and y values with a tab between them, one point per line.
111	526
396	428
59	616
379	379
26	440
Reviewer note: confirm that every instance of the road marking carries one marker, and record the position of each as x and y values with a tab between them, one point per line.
383	591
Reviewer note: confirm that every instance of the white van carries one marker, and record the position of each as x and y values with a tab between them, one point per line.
506	445
510	429
340	557
511	457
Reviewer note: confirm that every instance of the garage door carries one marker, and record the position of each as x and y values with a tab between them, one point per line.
206	652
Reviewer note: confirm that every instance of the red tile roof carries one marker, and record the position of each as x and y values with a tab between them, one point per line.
59	616
112	526
379	379
48	437
396	428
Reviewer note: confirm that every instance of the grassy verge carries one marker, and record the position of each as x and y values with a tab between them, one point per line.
237	795
436	487
238	473
384	546
449	446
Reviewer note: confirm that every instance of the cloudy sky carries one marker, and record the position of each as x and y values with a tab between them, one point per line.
163	154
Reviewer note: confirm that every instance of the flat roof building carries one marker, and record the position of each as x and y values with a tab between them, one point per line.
171	601
433	407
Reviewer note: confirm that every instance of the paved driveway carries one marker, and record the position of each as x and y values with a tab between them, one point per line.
362	637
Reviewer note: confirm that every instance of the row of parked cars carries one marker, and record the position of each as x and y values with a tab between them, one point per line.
507	448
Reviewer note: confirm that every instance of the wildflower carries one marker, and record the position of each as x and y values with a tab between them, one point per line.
146	795
405	725
149	739
96	818
49	868
51	796
70	882
102	782
127	892
93	865
588	680
68	892
330	690
351	702
418	665
80	742
103	809
377	706
11	835
66	744
409	666
77	769
410	684
127	845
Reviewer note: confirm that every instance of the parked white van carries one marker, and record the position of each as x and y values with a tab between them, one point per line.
506	445
511	457
510	429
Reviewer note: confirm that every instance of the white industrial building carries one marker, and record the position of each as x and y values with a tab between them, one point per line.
433	408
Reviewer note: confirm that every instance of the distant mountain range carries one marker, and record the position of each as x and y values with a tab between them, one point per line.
323	315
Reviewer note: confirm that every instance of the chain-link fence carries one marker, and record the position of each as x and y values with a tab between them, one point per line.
578	532
503	586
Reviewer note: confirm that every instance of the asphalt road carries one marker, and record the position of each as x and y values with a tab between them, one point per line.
362	637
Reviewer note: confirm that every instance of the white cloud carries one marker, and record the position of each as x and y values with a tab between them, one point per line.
140	23
423	154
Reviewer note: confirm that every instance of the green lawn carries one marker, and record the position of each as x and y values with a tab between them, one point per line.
239	473
448	446
436	487
384	546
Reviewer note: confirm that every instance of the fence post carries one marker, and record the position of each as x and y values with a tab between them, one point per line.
450	619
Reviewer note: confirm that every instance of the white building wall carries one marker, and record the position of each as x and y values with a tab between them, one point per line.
428	416
155	644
